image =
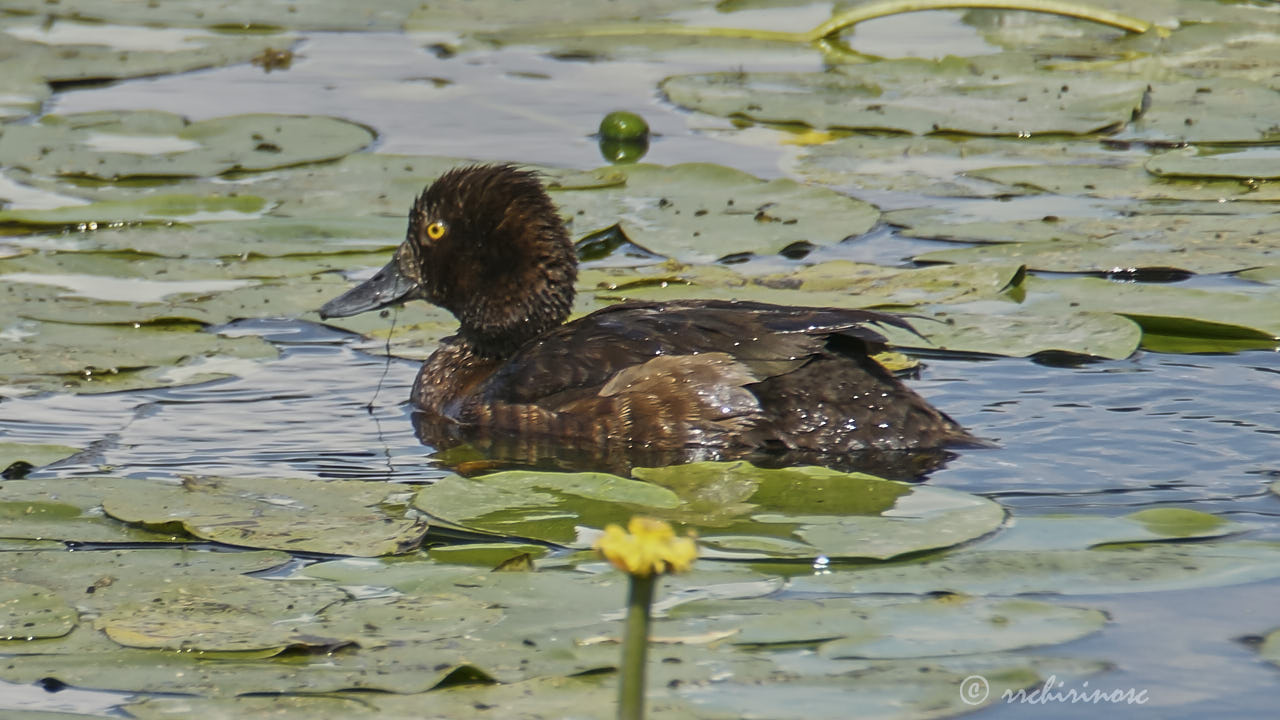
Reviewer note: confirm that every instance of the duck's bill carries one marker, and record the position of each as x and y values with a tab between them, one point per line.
387	287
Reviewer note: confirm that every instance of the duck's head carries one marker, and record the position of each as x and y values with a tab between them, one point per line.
485	243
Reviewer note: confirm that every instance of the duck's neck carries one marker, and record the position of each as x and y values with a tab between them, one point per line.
498	332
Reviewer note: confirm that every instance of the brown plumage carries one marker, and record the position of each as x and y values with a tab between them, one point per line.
637	382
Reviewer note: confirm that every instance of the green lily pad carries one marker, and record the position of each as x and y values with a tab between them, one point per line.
1147	567
991	95
870	628
933	165
1124	182
114	145
701	212
34	454
740	511
1080	532
143	209
1269	275
67	509
1195	243
76	51
1256	163
30	611
1270	648
469	16
1171	311
21	94
102	358
302	515
1221	110
235	14
1013	331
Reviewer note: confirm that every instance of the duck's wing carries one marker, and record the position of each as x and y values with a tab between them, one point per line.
605	351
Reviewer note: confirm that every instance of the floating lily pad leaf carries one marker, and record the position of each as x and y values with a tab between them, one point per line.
21	94
30	611
67	509
1195	243
267	236
1260	163
115	145
74	51
72	574
1268	275
544	506
129	277
1080	532
933	165
337	517
1171	310
1127	182
470	16
281	707
1023	333
1270	648
488	555
34	454
835	283
858	628
144	209
740	511
1217	110
234	14
1147	567
223	614
101	358
700	212
991	95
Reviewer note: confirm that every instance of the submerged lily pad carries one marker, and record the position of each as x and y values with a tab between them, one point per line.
114	145
30	611
740	511
990	95
1148	567
336	516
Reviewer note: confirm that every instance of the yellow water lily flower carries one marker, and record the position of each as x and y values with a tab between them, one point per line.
647	547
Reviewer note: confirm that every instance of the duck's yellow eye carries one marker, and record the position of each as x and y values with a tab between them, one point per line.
435	230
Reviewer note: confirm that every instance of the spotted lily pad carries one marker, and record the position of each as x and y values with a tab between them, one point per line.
114	145
1220	110
67	509
792	513
1124	182
1013	332
337	516
101	358
992	95
30	611
700	212
1146	567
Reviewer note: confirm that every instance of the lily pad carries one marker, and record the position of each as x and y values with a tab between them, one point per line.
1194	243
701	212
77	51
1080	532
102	358
740	511
67	509
1220	110
470	16
34	454
30	611
21	94
143	209
1012	331
114	145
1124	182
1148	567
868	628
235	14
1256	163
1171	310
301	515
990	95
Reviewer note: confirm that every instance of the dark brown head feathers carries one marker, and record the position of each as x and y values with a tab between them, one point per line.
486	243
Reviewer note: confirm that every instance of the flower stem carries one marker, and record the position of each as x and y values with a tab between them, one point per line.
635	648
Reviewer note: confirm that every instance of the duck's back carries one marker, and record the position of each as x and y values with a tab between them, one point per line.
711	374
